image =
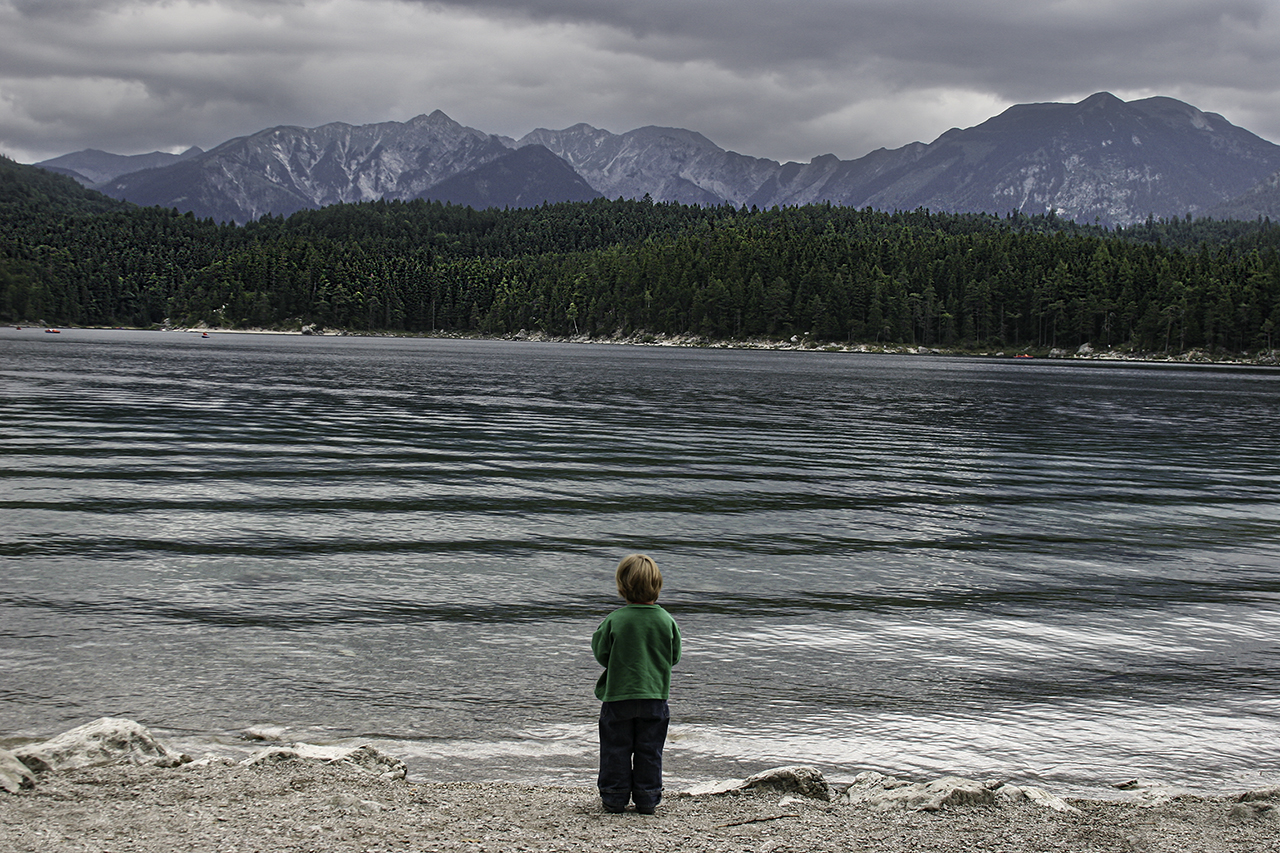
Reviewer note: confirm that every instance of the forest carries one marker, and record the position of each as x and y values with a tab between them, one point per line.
827	274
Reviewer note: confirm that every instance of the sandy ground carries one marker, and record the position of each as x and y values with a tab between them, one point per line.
308	806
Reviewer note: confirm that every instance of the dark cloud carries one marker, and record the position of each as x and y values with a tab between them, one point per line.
786	80
996	42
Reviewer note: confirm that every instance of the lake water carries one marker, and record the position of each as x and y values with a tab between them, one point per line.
1056	573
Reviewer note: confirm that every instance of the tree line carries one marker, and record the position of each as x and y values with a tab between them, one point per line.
632	267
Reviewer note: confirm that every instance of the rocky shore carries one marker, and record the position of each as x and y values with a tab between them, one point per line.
1265	358
1260	358
110	787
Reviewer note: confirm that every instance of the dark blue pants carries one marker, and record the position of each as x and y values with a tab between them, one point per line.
632	733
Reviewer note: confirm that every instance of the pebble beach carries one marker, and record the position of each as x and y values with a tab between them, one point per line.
139	797
308	807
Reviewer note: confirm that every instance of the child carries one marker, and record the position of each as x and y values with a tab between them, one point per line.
637	645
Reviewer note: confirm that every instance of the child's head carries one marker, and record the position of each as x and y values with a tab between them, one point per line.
639	580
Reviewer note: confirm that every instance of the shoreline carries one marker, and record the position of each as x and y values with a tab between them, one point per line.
110	786
313	806
795	344
684	771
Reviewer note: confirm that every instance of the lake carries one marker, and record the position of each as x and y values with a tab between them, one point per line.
1051	572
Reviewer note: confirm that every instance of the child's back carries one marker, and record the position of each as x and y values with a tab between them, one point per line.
637	645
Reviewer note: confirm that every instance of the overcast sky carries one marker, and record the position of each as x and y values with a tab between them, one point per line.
783	79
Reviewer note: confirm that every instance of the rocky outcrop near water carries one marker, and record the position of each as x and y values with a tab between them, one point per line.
880	792
366	758
107	740
116	740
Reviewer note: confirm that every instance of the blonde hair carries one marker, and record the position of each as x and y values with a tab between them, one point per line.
638	579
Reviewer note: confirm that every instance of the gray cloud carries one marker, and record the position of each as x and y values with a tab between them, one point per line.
984	41
785	80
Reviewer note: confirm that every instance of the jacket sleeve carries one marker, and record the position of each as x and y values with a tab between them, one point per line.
602	643
675	643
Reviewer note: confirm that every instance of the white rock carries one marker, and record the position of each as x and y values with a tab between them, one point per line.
1148	793
366	758
1028	793
885	792
1260	794
264	733
868	784
107	740
14	775
800	779
210	759
805	781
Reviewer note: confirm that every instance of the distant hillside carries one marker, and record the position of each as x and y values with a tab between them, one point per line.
1262	200
824	275
43	193
40	213
213	187
91	166
527	177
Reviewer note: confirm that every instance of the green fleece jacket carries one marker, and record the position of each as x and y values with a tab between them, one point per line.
637	645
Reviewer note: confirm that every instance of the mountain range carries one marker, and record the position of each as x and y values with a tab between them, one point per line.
1100	160
92	166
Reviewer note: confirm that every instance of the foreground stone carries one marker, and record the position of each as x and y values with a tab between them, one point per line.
115	740
366	758
1030	793
800	779
118	741
14	775
1261	805
107	740
879	792
1260	794
265	733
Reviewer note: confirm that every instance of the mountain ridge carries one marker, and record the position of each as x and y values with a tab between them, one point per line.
1100	160
92	166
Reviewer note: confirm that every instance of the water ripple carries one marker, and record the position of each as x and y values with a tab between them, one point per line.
1049	571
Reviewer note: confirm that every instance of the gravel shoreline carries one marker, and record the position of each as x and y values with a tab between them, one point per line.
315	806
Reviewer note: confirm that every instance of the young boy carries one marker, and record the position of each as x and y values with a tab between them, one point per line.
637	645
